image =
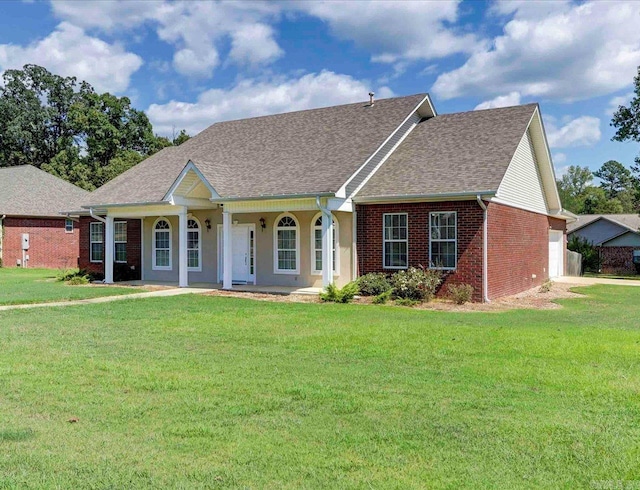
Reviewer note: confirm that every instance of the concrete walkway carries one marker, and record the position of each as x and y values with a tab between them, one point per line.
108	299
592	281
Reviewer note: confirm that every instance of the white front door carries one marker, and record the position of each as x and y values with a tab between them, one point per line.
242	252
556	249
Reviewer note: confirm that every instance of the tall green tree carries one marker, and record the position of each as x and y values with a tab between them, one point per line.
572	186
614	178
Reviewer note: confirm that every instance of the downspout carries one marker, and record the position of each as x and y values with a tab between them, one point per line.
1	235
95	216
485	241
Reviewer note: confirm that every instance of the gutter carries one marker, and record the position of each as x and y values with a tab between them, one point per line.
95	216
423	197
278	196
123	205
485	241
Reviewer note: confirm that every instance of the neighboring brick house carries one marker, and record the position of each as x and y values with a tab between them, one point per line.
33	233
617	238
307	198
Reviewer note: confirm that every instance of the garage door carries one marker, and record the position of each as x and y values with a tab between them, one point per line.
556	253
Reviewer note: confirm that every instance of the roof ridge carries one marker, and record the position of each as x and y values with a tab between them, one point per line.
496	109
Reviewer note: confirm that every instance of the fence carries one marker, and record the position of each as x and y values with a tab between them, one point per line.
574	263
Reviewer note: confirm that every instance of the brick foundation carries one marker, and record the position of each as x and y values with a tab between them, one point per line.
617	260
134	249
50	246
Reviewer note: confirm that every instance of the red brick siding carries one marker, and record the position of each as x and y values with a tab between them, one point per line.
518	249
134	248
469	220
50	246
617	260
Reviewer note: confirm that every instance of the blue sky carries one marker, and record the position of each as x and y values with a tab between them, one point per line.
189	64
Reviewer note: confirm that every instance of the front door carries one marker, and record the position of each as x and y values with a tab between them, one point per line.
242	252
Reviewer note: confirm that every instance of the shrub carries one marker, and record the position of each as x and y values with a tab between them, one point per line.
590	255
65	274
546	286
382	298
416	283
374	284
78	280
407	302
333	294
460	293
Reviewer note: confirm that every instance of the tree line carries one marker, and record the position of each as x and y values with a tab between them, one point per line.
619	189
69	130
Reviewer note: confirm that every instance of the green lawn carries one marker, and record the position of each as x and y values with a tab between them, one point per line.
214	392
19	286
631	277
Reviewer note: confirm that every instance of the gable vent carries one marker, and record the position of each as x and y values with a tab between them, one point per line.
379	157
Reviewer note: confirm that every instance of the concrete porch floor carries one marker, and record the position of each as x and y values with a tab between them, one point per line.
243	288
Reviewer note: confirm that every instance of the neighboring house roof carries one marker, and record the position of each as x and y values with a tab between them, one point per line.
28	191
453	153
629	221
297	153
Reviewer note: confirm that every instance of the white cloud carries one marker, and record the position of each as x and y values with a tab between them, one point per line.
393	30
616	102
69	51
257	98
253	44
581	131
564	51
560	157
500	101
561	171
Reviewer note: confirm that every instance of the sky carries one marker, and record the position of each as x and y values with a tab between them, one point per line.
190	64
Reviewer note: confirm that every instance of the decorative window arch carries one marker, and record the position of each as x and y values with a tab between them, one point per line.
162	245
286	245
316	245
194	245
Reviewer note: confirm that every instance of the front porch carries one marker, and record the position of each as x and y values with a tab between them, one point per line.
242	288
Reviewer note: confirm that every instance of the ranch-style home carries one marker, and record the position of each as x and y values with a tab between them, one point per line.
308	198
32	231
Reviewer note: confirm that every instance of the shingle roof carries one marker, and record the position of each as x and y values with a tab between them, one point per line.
28	191
629	221
453	153
304	152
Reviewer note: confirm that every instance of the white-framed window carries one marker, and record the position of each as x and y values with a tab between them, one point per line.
316	246
96	239
194	245
395	240
120	241
286	245
162	244
68	225
443	244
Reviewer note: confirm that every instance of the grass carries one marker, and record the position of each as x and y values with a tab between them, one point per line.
631	277
212	392
22	286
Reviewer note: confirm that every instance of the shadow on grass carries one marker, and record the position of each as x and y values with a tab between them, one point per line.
16	435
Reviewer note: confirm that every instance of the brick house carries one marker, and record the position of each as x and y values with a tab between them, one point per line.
616	237
33	233
308	198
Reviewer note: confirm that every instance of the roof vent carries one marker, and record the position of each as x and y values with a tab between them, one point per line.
371	94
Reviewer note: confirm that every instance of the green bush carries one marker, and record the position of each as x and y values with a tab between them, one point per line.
333	294
460	293
77	280
590	255
546	286
416	283
382	298
374	284
407	302
64	275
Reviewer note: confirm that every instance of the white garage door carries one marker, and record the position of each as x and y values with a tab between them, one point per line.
556	253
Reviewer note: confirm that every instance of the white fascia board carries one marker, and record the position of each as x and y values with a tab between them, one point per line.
424	107
547	171
337	204
447	196
190	166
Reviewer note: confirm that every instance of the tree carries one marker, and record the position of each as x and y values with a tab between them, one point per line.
572	187
181	138
615	178
595	201
626	119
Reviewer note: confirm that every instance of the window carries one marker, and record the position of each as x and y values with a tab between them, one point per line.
68	225
120	241
396	241
286	245
442	240
96	237
193	245
162	245
636	256
316	247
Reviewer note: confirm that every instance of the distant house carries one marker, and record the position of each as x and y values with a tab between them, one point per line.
308	198
617	237
32	231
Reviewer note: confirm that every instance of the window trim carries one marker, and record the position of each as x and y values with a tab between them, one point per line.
153	246
276	270
446	240
119	241
384	242
91	242
199	268
66	225
336	234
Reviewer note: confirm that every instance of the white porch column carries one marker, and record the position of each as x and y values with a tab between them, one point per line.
227	255
327	248
183	274
109	245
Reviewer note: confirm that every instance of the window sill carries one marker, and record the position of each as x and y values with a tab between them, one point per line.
287	272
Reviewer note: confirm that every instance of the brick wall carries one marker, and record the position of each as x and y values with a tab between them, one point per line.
50	246
469	215
134	250
617	260
518	249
